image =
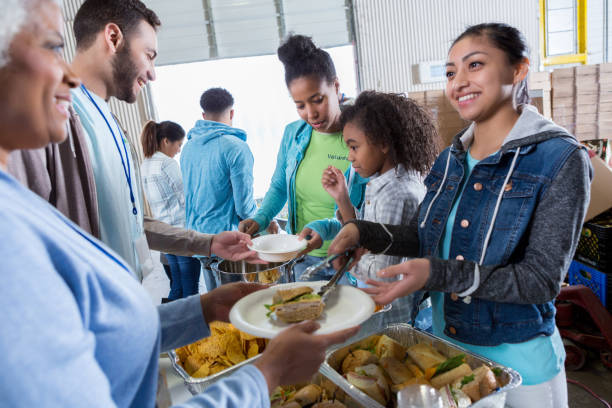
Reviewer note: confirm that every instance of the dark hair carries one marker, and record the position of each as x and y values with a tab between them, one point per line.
94	15
507	39
397	122
153	133
301	57
216	100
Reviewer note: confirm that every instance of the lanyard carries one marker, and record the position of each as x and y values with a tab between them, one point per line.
126	169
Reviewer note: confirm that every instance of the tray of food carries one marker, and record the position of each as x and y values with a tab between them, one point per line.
372	370
226	349
320	392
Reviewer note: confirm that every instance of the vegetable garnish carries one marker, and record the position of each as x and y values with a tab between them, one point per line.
466	380
450	364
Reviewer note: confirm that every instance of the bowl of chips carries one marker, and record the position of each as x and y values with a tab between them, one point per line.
207	360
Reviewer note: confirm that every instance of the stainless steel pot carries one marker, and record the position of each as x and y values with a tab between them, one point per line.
239	271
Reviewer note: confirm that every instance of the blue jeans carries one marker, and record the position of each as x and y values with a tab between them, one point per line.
209	275
323	274
185	273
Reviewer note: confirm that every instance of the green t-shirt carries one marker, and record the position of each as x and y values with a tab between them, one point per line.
313	202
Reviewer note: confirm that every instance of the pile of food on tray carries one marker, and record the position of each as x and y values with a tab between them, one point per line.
380	366
225	347
320	393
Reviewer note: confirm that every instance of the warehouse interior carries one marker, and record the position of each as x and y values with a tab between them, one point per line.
394	47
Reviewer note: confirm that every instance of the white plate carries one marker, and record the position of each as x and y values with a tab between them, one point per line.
277	247
346	307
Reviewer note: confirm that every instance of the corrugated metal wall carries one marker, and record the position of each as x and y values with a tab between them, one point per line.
393	36
131	116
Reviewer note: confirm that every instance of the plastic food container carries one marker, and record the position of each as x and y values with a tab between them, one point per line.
407	336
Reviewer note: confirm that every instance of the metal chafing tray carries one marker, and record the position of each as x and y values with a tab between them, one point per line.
407	336
197	385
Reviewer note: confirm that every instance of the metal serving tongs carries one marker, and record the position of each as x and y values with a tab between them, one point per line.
326	263
333	282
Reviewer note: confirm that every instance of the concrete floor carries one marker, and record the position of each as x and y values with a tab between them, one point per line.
595	376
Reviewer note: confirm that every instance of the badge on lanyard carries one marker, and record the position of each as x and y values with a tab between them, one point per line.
125	163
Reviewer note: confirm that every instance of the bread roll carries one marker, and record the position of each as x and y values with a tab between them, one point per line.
487	382
425	355
387	347
396	370
358	358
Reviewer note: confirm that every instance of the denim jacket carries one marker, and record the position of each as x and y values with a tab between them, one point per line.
282	186
516	229
492	223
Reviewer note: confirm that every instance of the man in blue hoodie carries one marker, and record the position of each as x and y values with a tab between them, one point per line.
217	167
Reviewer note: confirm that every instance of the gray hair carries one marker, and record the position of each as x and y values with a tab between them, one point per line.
11	19
14	15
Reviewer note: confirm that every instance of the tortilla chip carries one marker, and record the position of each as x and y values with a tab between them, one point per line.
217	367
253	349
218	327
234	351
203	371
192	364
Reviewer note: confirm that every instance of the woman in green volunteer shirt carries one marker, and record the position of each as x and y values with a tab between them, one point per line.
308	147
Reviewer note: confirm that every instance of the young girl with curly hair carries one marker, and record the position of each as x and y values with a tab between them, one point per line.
393	142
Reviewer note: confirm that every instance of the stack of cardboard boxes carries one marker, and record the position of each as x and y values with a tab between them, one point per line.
605	101
564	97
582	100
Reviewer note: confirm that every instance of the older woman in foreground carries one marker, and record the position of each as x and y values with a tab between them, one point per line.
77	328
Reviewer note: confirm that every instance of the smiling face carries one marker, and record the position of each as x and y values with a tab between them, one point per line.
480	79
35	84
134	63
317	102
367	159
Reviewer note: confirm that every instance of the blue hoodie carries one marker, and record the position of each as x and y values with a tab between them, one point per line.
217	167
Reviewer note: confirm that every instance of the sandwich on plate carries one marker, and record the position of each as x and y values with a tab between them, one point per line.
295	305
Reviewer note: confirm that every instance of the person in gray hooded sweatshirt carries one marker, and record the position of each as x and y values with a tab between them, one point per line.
217	168
499	224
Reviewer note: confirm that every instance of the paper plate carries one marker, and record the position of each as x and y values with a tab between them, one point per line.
346	307
277	247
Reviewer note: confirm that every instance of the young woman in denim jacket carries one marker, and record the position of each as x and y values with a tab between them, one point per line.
499	224
308	147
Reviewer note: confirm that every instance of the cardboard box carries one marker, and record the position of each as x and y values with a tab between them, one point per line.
563	73
587	99
563	92
601	193
540	80
605	96
586	131
606	67
587	88
587	70
565	102
586	110
587	118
